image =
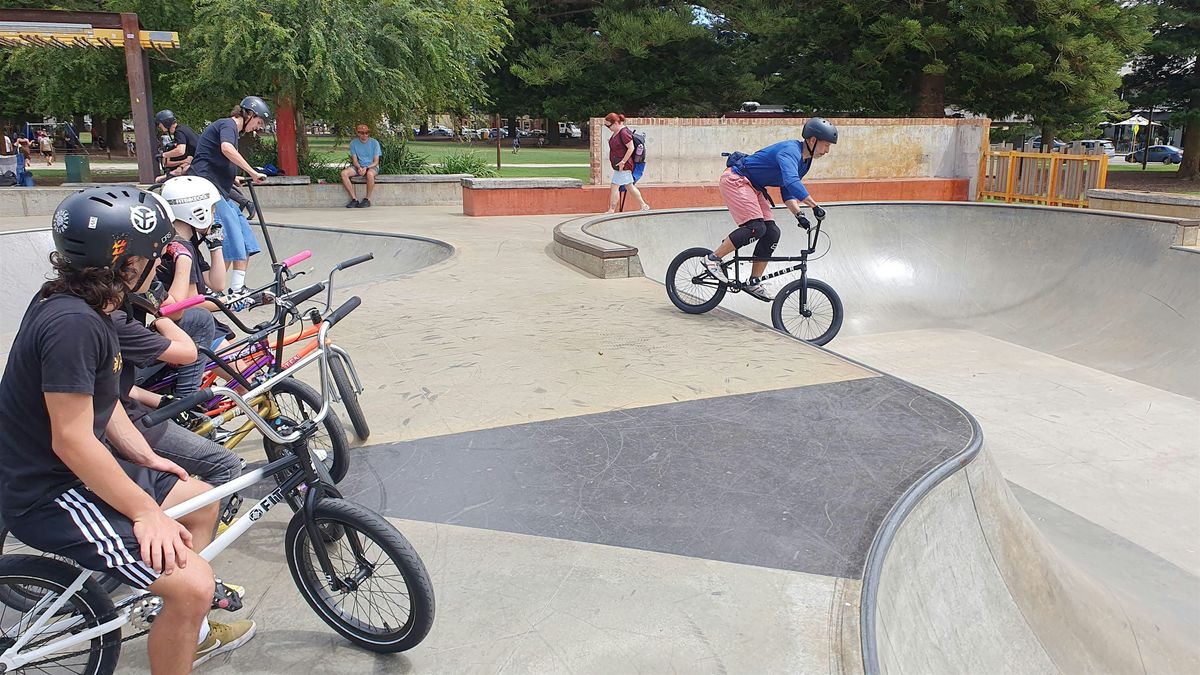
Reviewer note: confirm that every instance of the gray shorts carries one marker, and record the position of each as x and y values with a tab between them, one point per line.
210	462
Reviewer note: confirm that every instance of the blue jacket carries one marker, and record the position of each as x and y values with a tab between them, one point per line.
781	165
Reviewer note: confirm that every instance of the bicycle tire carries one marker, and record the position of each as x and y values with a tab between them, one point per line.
341	379
91	602
787	316
357	523
689	299
337	447
10	545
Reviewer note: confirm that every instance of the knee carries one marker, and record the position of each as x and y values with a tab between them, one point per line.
772	233
188	590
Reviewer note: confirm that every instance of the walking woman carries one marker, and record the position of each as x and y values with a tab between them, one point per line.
620	155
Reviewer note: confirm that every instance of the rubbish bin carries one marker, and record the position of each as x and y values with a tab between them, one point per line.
79	169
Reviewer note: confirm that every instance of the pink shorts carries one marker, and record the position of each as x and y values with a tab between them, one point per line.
744	202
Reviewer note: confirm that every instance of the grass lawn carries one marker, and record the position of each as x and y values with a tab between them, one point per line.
1152	166
435	151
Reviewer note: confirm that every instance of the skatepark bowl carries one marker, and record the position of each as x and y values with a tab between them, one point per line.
1063	536
24	261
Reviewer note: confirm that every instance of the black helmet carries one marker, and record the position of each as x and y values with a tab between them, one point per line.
257	106
165	118
105	226
820	129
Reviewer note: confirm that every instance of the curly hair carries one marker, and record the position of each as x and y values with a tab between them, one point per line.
99	287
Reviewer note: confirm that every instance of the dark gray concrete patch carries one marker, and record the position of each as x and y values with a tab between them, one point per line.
795	479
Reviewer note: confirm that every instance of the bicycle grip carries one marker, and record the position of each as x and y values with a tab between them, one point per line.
355	261
167	310
304	293
296	259
163	414
341	312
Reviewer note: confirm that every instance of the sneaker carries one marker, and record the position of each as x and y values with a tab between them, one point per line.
760	291
222	638
714	268
352	204
364	203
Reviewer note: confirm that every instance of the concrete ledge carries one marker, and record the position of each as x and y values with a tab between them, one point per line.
595	255
1149	203
519	183
404	179
511	197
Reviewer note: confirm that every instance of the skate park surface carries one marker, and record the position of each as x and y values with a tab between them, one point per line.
600	483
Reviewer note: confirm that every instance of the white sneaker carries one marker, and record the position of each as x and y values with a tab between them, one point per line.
761	292
714	268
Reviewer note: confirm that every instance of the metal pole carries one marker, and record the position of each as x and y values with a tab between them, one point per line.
262	222
497	141
1149	128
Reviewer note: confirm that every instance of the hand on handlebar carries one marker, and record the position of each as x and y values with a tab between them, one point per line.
801	221
819	213
259	177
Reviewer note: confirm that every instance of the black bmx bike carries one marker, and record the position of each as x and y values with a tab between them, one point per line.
806	308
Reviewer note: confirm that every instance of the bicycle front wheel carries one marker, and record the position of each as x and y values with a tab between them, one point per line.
385	602
298	402
341	379
690	286
813	314
28	584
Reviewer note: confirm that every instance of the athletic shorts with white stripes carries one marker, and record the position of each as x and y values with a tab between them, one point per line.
79	525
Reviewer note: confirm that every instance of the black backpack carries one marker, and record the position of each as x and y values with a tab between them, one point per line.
639	147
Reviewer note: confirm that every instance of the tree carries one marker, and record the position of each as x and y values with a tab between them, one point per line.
1055	60
342	61
1167	76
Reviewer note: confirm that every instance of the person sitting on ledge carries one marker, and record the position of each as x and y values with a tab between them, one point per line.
365	155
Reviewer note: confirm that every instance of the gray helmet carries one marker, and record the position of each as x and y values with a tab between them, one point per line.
257	106
820	129
105	226
165	118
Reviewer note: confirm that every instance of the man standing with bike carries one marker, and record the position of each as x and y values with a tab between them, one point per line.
744	188
61	490
218	160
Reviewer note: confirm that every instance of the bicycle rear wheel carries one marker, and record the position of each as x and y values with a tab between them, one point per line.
25	580
298	402
690	286
341	379
388	606
816	318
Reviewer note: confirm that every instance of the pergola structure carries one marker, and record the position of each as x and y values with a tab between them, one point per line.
99	30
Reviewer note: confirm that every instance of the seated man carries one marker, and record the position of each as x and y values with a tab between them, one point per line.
365	155
177	158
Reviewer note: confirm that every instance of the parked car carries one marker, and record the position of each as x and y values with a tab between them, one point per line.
468	133
1105	145
441	131
569	130
1036	142
1167	154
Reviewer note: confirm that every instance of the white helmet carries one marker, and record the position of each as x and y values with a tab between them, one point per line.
191	199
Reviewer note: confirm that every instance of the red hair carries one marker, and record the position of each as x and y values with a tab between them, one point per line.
614	117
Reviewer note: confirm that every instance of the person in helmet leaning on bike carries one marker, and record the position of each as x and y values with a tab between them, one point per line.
217	159
61	490
743	187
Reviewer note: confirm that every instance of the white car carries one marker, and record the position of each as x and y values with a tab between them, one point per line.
1105	145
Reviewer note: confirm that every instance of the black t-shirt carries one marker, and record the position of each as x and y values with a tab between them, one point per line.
209	161
140	348
185	135
180	246
62	346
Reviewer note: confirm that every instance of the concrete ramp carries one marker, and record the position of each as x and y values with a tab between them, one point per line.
1073	337
24	259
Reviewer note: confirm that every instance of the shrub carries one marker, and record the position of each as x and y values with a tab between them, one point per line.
465	162
264	152
317	170
398	157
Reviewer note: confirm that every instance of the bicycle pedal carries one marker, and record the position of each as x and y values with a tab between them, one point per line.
229	513
228	596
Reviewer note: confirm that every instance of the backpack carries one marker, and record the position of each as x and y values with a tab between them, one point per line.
639	147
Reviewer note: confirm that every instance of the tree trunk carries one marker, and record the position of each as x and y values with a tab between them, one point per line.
931	96
512	126
1049	131
552	132
113	135
301	131
1189	168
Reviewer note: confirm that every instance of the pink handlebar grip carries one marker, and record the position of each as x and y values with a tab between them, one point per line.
298	258
167	310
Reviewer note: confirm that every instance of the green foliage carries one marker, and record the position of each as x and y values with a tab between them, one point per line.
317	170
465	161
398	157
264	153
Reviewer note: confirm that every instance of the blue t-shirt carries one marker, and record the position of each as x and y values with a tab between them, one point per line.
781	165
366	152
209	161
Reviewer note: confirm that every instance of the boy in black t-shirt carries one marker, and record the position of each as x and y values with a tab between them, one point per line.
61	490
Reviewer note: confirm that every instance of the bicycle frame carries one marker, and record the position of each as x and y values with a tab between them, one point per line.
12	658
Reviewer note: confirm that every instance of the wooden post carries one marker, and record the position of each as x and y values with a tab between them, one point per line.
285	137
1053	181
1008	184
137	73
